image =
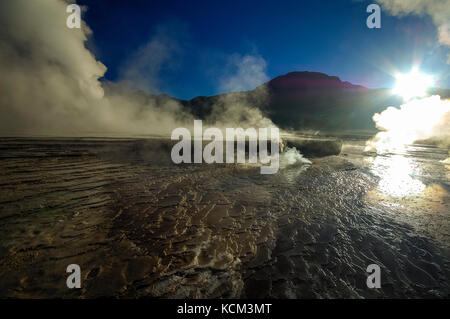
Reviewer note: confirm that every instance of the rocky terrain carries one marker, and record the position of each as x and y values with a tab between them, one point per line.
139	226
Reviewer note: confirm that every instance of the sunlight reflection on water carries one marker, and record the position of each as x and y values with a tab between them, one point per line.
397	175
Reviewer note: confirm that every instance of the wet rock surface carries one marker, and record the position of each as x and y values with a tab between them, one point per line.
316	147
139	226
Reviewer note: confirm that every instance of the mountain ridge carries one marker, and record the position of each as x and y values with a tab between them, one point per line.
306	100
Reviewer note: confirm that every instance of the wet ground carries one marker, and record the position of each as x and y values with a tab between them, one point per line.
139	226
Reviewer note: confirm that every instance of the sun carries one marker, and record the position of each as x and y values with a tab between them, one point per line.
412	84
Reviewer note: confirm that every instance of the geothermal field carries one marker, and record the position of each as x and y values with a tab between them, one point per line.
239	153
140	226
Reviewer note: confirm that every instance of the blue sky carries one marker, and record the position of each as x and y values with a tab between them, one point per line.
199	45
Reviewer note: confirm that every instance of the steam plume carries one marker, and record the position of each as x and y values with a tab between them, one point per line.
439	10
419	119
50	81
237	108
244	73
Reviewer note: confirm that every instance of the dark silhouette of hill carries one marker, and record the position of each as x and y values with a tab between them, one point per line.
311	100
308	100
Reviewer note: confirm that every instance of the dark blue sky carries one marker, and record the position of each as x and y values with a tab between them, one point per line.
200	39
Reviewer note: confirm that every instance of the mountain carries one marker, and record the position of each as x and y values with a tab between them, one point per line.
295	81
308	100
311	100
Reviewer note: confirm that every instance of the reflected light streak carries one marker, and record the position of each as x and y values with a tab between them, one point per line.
396	175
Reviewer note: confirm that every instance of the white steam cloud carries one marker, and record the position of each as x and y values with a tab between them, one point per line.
245	73
419	119
50	81
439	10
237	108
141	70
292	157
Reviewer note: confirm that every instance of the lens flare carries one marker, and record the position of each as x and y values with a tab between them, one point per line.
413	84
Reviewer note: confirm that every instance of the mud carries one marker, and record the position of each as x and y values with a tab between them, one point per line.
139	226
